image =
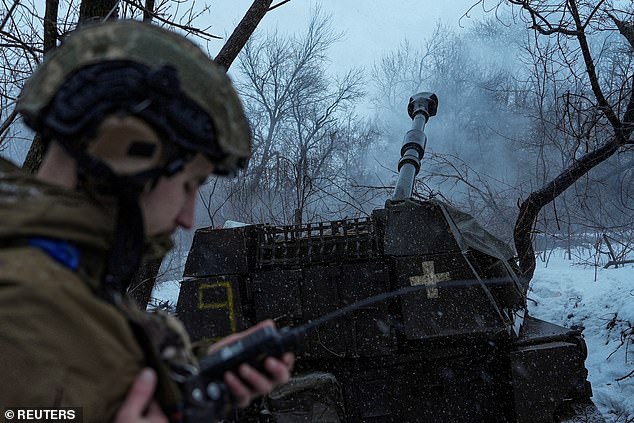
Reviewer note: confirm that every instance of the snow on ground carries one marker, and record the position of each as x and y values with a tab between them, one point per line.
165	293
567	294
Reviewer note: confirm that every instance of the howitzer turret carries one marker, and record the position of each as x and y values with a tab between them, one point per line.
458	347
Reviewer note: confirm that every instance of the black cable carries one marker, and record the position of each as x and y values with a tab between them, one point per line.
385	296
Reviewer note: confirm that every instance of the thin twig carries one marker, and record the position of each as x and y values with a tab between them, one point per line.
618	379
278	5
6	124
187	28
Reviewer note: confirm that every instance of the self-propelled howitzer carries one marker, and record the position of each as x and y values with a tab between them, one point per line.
462	348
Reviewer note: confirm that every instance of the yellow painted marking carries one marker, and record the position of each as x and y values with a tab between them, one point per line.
228	305
429	278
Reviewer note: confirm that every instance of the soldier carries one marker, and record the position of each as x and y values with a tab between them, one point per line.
135	118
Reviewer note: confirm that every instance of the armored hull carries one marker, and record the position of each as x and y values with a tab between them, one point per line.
460	349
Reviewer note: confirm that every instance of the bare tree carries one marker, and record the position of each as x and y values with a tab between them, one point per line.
303	127
569	21
22	49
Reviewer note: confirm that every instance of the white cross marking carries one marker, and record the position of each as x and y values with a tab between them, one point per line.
429	278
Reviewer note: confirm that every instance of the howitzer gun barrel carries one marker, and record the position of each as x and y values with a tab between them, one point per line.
420	108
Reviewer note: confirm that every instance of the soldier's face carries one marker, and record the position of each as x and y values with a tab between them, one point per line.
171	204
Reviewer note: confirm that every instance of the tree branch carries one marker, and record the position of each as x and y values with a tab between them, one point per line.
9	13
278	5
33	51
6	124
186	28
592	74
530	208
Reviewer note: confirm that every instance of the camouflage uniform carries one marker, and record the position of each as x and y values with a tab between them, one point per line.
60	345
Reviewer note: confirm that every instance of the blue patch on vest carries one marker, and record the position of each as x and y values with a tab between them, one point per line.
62	251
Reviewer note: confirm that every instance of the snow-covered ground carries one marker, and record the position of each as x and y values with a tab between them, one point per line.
566	293
165	293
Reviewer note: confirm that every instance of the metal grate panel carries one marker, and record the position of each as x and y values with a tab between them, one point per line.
313	243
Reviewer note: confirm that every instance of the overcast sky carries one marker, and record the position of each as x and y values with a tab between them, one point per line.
371	27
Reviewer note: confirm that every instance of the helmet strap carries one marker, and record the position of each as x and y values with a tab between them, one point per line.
127	246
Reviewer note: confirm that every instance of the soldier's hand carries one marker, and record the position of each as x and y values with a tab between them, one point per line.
140	406
252	383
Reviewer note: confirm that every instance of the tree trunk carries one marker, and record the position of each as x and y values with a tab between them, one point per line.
242	33
143	282
91	10
50	25
36	151
147	12
35	155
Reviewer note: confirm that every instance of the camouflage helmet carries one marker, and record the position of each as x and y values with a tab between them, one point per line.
199	81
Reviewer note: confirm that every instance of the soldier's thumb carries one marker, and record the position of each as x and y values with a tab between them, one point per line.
140	394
